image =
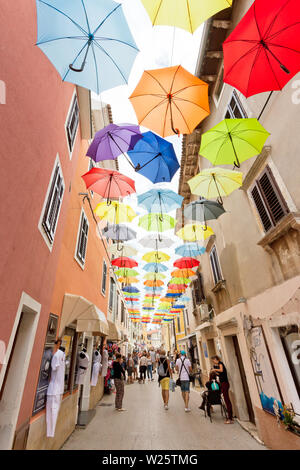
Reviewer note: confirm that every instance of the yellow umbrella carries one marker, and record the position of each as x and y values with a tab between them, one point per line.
128	280
156	257
194	232
185	14
153	276
215	183
122	250
115	212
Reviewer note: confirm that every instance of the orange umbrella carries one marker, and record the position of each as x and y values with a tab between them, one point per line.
128	280
153	283
170	101
183	273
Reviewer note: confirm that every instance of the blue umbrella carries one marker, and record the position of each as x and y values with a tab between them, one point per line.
154	158
173	295
160	200
88	42
190	250
155	268
130	289
152	289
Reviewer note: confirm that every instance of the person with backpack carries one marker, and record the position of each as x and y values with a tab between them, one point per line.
164	372
183	367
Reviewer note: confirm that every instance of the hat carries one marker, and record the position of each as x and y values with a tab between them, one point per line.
183	352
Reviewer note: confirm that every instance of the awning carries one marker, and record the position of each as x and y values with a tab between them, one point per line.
114	333
186	337
88	317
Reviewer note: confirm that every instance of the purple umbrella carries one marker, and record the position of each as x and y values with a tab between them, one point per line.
113	141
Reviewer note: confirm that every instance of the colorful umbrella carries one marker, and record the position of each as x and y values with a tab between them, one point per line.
185	14
130	289
233	141
154	276
182	273
157	283
262	52
128	280
194	232
108	183
155	268
124	262
170	101
160	200
113	141
119	232
190	250
179	281
152	289
203	210
88	42
156	257
186	263
154	158
122	250
215	183
115	212
152	241
123	272
157	222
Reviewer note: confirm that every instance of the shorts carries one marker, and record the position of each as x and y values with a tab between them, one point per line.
185	385
165	383
129	371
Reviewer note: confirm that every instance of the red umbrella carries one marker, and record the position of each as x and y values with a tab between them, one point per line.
263	51
178	287
108	183
186	263
124	262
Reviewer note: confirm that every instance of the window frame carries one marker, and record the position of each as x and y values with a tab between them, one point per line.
71	139
77	258
103	287
239	105
214	253
220	77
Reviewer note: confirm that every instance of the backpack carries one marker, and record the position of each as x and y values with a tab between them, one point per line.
161	369
215	386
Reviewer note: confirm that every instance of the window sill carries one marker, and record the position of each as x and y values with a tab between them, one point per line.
290	221
219	286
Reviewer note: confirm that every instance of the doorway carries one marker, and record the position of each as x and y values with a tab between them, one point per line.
243	379
20	349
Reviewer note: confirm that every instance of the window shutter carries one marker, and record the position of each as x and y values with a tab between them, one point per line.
53	204
72	123
82	240
214	261
268	200
104	273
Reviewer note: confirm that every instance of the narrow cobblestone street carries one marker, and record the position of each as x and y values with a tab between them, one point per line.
146	425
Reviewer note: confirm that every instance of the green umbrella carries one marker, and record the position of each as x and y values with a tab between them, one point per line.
157	222
154	276
125	272
180	280
233	141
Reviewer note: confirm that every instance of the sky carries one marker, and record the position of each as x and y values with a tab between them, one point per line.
160	46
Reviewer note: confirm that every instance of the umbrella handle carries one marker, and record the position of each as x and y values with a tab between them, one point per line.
74	69
220	200
237	164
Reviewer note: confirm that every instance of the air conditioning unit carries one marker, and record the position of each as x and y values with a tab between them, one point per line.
204	311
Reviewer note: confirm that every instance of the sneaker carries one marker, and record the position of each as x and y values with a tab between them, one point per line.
121	409
166	407
187	410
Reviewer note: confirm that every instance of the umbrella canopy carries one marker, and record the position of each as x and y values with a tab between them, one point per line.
130	289
152	241
160	200
119	232
115	212
190	250
124	272
155	268
215	183
124	262
157	222
233	141
203	210
153	289
112	141
128	280
154	276
182	273
170	101
88	42
122	250
186	14
262	52
108	183
186	263
156	257
179	281
157	283
154	158
194	232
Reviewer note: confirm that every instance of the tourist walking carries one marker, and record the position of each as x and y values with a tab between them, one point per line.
221	371
153	359
135	365
164	372
119	379
183	367
149	367
130	368
143	367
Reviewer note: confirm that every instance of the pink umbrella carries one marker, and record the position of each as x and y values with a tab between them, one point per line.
109	184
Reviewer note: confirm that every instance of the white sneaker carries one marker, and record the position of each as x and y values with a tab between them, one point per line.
166	407
187	410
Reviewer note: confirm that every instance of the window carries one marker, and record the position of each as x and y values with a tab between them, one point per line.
187	317
104	276
72	123
290	339
219	85
178	324
215	265
268	200
111	294
82	239
235	109
197	290
122	313
53	205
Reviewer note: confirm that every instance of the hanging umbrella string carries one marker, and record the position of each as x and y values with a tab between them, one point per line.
114	141
139	167
265	105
